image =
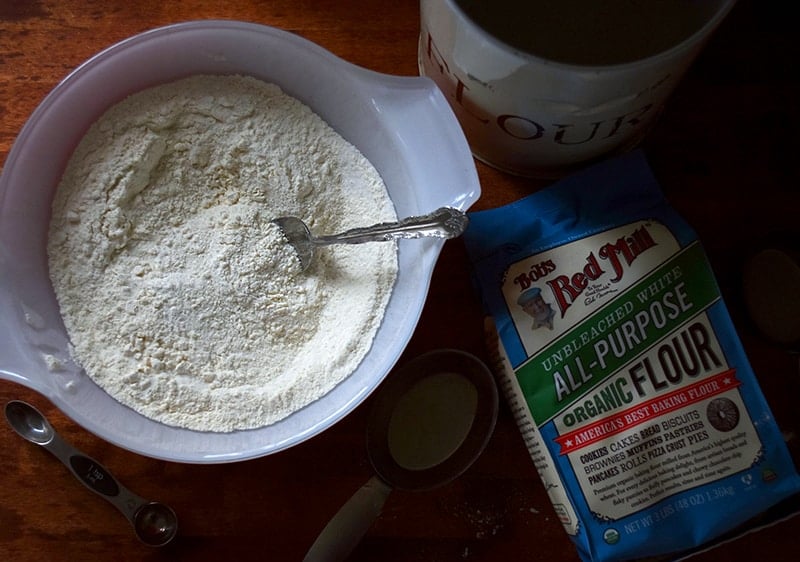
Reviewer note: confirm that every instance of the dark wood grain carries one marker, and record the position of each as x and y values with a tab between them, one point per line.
725	151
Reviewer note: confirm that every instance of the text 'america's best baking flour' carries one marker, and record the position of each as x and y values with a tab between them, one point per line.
181	299
622	367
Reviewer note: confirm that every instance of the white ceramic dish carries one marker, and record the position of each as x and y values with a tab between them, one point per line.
403	125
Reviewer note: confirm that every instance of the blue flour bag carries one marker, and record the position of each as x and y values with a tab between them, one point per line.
622	367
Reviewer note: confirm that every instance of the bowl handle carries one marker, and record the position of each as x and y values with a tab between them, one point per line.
416	110
13	362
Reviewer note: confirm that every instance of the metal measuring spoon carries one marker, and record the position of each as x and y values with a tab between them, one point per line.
444	222
428	424
771	292
771	287
155	524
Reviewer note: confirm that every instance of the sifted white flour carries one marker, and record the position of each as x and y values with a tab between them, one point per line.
182	300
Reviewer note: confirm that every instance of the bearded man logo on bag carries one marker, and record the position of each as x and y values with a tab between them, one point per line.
532	302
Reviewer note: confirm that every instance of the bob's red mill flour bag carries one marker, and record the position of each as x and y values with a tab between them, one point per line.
620	362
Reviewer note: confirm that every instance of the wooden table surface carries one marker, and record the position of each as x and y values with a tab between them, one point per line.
724	150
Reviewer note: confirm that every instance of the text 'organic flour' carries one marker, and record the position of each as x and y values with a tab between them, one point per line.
181	299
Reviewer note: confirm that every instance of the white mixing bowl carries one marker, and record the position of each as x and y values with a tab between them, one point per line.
403	125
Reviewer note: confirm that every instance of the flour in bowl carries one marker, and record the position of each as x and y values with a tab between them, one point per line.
181	299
